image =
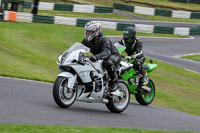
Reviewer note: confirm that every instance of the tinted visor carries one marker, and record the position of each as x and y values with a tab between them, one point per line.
89	32
126	35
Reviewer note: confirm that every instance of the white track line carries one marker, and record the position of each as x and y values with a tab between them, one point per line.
181	55
192	71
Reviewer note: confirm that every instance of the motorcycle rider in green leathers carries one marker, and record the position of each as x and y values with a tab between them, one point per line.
134	51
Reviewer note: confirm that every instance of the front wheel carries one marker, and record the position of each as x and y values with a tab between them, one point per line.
118	104
145	98
63	96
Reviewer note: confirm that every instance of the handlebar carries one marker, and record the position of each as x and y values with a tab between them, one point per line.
86	58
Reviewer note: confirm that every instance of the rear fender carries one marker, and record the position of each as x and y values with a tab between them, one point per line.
151	67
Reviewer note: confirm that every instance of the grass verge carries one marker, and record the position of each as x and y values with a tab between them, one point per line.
111	16
61	1
78	14
195	57
176	88
30	51
164	4
72	129
166	19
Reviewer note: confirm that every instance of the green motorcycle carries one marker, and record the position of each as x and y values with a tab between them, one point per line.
143	94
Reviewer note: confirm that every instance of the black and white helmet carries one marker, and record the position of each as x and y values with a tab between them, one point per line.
92	29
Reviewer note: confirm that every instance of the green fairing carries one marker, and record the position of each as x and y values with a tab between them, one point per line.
121	49
132	72
146	98
128	75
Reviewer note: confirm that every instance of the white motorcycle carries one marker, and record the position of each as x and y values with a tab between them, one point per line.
82	80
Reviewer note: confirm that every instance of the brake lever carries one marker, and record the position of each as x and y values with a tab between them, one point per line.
86	58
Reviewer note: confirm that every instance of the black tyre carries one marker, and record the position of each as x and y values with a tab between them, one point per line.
118	107
63	96
145	98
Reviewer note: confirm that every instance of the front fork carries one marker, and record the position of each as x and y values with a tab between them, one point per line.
72	81
137	82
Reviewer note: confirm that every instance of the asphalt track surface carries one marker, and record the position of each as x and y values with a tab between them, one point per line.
31	102
169	49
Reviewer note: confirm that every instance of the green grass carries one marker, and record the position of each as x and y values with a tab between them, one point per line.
165	19
116	16
60	1
79	14
177	88
149	3
30	50
72	129
195	57
100	2
111	16
167	4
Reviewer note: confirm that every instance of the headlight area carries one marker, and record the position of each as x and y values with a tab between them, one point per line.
65	68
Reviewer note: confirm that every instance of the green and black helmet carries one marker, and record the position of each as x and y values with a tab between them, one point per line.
129	33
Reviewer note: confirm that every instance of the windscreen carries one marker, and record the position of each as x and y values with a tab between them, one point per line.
77	46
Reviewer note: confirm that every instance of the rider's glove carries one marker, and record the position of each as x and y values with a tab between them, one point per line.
93	58
128	58
134	57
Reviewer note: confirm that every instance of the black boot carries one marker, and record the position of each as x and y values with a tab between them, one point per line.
114	86
114	79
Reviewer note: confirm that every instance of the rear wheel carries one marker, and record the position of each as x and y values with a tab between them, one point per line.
63	96
146	98
118	104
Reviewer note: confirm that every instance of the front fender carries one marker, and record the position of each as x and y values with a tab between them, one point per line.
71	78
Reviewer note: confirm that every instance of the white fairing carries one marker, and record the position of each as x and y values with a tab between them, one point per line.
71	57
118	45
83	72
75	66
94	96
73	53
125	64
